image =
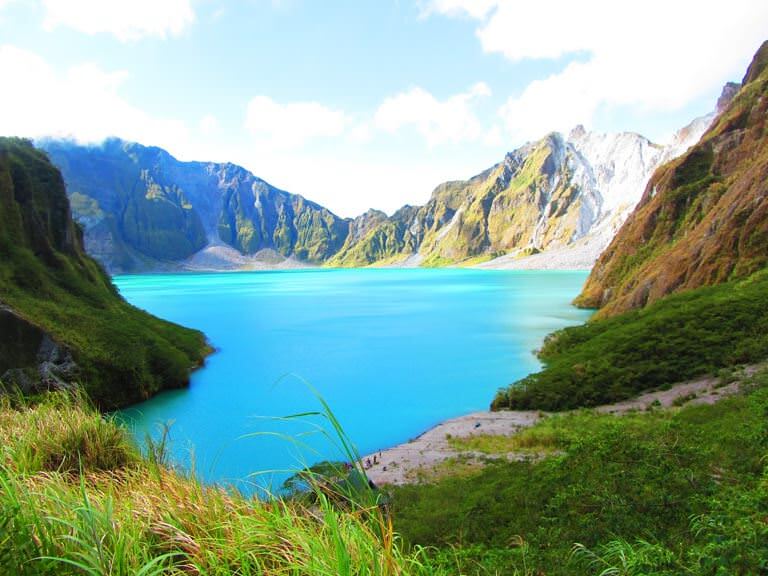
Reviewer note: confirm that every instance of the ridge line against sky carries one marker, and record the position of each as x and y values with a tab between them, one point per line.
360	105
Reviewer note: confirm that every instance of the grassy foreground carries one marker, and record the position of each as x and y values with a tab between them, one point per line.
662	492
680	337
654	493
76	497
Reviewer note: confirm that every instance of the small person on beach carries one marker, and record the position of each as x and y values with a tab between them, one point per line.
367	463
375	459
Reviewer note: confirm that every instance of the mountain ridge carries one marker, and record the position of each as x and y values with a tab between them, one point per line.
563	195
144	209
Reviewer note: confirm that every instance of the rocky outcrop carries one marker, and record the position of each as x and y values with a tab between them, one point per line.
703	218
30	359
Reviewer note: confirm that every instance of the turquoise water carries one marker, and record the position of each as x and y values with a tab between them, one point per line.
393	352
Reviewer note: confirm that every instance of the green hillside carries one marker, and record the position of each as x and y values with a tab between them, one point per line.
679	337
54	293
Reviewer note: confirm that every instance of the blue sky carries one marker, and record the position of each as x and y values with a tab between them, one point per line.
364	104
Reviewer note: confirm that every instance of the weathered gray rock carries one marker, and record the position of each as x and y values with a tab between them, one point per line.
30	360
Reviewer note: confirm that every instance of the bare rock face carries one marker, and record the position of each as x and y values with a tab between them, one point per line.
729	91
30	360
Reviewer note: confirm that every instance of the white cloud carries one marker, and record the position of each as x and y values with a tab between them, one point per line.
294	124
452	120
346	171
127	20
472	8
82	102
656	56
209	124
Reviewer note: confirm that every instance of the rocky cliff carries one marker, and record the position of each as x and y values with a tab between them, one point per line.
703	218
559	195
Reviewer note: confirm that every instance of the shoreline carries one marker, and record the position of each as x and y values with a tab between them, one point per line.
405	463
398	464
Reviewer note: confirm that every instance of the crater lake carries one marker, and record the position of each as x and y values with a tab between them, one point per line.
391	351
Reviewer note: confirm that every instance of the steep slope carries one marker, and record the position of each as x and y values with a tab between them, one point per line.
703	218
143	209
62	320
558	194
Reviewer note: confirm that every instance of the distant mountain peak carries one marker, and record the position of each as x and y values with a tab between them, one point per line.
758	64
729	91
577	132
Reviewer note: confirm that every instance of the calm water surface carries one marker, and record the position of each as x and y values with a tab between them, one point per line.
393	352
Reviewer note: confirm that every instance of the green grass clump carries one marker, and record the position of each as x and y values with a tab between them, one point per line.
62	435
115	513
682	336
523	441
551	433
661	492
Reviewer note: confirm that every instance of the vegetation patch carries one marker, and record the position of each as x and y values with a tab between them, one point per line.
61	434
535	440
673	492
682	336
142	518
